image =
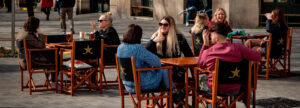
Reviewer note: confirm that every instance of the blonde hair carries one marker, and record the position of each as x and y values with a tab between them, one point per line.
200	21
214	19
108	16
172	42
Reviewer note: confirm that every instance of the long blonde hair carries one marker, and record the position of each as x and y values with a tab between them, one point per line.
200	21
108	16
214	19
172	42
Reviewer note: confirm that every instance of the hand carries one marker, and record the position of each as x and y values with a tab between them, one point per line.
38	30
93	26
159	39
268	15
186	10
205	35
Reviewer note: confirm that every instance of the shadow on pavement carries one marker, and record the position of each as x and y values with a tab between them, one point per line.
277	102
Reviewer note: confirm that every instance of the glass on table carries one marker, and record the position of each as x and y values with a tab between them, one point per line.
69	37
92	36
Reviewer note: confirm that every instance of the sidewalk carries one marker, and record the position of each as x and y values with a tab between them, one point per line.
277	90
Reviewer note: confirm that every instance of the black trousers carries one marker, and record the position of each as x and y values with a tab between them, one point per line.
30	10
46	10
8	5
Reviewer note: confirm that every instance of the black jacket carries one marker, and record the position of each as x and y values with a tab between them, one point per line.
110	37
279	31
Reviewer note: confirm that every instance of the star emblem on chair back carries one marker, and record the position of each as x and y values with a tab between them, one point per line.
88	50
235	73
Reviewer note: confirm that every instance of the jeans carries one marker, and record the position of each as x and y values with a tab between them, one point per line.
190	9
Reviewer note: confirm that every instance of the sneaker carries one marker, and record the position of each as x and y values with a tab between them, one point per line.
179	13
187	24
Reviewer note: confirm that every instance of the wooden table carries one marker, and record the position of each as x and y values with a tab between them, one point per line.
185	62
248	36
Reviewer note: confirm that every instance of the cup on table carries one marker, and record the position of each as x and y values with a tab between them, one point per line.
82	35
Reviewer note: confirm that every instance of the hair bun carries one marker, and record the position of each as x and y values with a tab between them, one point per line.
108	13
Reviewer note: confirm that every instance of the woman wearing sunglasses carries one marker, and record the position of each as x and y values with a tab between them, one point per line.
109	34
168	42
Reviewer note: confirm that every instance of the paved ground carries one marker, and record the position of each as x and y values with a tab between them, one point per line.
277	92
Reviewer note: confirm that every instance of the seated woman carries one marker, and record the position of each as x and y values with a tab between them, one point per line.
143	59
201	23
35	40
220	17
275	24
168	42
109	34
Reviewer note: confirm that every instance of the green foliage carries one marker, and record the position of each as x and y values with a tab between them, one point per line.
6	52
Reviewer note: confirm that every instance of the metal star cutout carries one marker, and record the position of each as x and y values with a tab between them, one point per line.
88	50
235	73
122	70
198	41
281	41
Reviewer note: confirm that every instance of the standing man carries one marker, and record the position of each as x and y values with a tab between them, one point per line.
8	5
29	5
67	8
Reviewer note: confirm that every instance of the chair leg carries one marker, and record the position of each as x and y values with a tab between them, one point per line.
267	70
101	83
21	71
254	99
30	81
72	84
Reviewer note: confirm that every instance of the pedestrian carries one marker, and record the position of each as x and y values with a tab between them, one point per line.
1	4
8	5
46	7
189	8
67	8
29	6
57	6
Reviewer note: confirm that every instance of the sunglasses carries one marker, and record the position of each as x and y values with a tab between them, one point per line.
163	24
101	20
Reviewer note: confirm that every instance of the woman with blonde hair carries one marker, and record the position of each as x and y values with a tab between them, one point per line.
220	16
201	22
168	42
109	34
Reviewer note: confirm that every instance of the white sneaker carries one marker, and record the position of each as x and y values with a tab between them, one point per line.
179	13
187	24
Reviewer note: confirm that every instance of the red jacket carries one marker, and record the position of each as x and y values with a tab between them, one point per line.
46	3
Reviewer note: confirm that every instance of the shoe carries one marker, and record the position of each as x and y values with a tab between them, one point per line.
187	24
47	17
179	13
73	32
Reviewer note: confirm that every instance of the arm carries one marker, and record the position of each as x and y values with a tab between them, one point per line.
149	57
151	46
33	42
109	36
93	26
272	27
250	54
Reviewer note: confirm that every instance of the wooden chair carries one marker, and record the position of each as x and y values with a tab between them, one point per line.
103	66
38	69
82	67
275	53
226	73
289	49
128	72
197	42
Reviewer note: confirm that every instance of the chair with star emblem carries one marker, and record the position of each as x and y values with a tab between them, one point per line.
128	72
197	42
274	52
226	73
83	67
289	49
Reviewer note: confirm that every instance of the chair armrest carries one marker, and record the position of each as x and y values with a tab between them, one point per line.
158	68
44	49
199	70
105	45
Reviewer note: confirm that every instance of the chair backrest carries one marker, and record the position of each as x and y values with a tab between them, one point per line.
289	40
232	72
124	66
85	50
197	42
57	38
277	45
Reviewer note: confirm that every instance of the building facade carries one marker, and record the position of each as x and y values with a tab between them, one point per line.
240	13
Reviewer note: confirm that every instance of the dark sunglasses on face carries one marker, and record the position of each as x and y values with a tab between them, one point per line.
163	24
101	20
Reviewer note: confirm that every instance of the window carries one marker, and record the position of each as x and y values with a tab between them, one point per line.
268	1
282	1
142	8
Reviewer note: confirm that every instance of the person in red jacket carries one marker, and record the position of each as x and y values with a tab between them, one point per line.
46	7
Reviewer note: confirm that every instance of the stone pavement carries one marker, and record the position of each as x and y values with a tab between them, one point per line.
276	91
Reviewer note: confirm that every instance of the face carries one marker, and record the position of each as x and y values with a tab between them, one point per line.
103	23
220	16
274	18
164	26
